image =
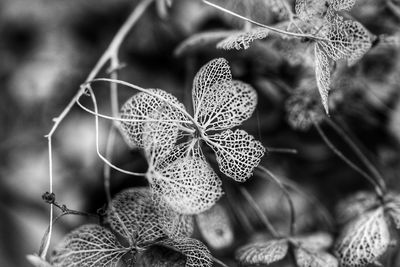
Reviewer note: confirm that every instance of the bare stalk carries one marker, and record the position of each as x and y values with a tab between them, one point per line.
288	197
374	171
110	52
297	35
259	212
377	187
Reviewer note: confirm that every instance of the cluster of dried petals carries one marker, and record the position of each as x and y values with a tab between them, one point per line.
134	217
180	173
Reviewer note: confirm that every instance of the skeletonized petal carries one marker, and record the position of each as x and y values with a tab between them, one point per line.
310	9
262	253
355	205
243	40
154	121
364	239
88	246
228	105
238	153
197	254
215	227
188	184
346	39
393	208
323	75
215	72
173	223
309	258
132	214
339	5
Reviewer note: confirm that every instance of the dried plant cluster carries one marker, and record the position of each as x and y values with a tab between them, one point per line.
155	225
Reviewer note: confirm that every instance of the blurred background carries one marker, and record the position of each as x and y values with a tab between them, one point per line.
48	47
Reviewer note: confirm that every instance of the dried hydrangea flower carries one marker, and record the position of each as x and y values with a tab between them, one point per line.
308	251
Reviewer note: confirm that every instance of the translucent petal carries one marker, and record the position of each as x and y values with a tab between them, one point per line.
238	153
323	75
393	209
308	258
189	184
156	121
346	39
355	205
216	227
363	240
215	72
132	214
243	40
88	246
227	106
316	241
262	253
180	224
197	254
309	9
339	5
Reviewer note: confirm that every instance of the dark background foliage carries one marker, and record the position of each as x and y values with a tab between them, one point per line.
47	48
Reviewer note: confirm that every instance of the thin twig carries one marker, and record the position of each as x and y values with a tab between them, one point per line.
219	262
359	153
310	198
110	51
287	195
282	150
298	35
259	212
377	187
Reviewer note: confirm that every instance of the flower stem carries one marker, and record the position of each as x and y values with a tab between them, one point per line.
288	197
259	212
377	187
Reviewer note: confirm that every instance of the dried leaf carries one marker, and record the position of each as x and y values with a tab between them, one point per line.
323	75
345	39
132	214
155	121
188	184
309	258
200	40
314	242
227	105
355	205
393	209
243	40
88	246
215	72
197	254
339	5
37	261
238	153
310	9
262	253
173	223
215	227
364	239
